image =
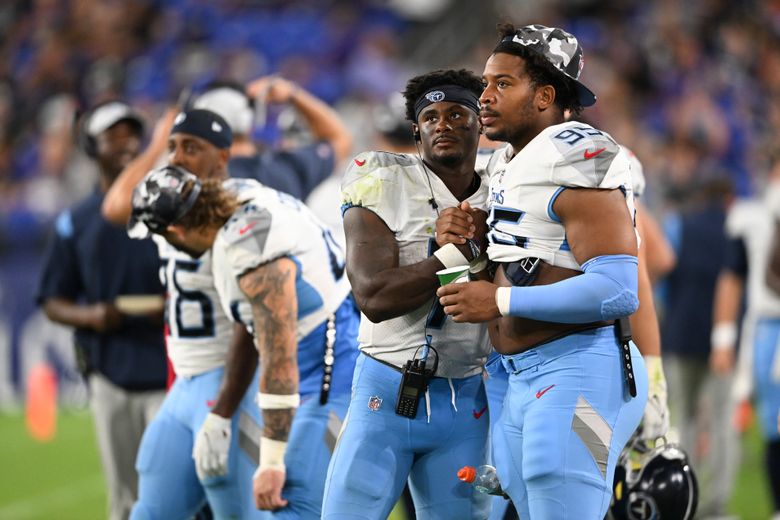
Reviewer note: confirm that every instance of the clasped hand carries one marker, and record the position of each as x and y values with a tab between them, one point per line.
472	302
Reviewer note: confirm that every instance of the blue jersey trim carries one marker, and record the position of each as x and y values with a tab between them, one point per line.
309	299
550	212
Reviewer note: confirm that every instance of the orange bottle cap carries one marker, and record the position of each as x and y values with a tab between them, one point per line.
467	474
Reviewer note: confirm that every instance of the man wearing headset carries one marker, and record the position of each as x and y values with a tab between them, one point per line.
390	204
89	264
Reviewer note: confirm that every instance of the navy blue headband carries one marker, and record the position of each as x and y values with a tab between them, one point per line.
449	93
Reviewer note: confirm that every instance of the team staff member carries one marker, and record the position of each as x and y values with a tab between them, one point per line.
391	205
88	265
561	211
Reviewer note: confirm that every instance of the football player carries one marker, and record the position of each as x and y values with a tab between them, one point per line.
561	230
278	272
656	258
191	451
390	204
752	268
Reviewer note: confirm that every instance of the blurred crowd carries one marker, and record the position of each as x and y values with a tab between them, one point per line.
690	87
60	58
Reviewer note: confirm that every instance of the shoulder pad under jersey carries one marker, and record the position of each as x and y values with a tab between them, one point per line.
248	222
246	237
588	158
244	188
371	177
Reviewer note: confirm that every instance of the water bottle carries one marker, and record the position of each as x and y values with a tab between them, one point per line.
484	479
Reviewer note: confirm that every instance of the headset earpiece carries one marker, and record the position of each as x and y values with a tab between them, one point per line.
416	135
84	140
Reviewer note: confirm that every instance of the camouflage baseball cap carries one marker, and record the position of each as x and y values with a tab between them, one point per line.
560	48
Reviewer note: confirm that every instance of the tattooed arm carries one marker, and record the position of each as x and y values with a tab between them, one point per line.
270	289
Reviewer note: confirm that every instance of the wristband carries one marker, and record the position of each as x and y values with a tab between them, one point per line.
277	401
450	256
271	454
724	335
503	295
216	420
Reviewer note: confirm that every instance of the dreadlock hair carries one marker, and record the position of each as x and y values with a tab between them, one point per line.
419	85
542	72
213	207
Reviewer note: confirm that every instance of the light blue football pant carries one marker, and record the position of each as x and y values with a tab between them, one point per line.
496	386
566	418
765	353
169	488
378	449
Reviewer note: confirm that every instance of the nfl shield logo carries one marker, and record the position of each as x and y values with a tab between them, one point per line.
374	402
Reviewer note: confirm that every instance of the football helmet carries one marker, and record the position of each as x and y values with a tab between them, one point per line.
654	484
164	196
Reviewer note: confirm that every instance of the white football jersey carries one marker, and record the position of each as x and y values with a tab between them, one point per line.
198	331
523	189
271	225
638	181
753	221
398	188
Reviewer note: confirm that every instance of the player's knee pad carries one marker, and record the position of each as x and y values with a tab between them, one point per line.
371	474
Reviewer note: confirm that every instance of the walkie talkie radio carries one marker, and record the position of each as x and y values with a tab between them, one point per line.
412	386
414	382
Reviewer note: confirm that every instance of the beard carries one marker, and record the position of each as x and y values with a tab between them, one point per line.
450	160
511	131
